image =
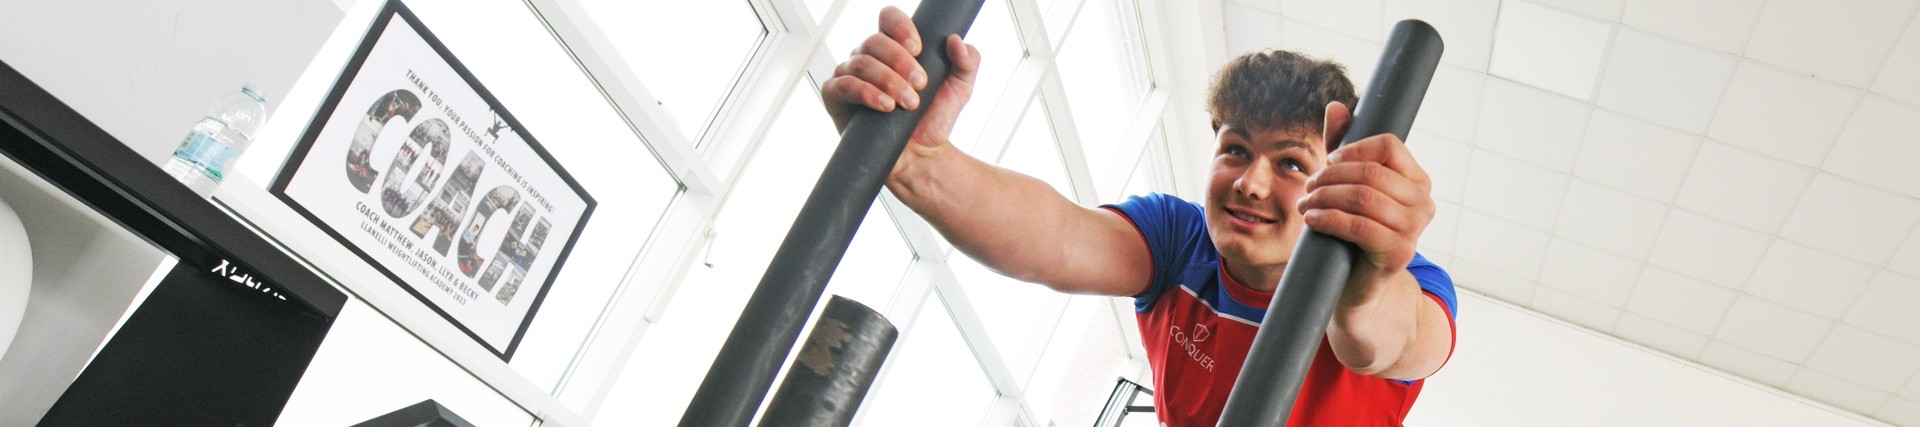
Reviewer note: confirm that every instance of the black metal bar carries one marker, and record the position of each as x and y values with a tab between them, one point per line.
1296	319
744	369
835	368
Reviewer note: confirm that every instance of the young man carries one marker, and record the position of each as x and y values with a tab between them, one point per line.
1201	278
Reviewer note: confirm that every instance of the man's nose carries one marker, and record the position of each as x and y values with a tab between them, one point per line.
1255	181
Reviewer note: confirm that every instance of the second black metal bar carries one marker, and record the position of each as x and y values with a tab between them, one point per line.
1296	319
744	369
833	371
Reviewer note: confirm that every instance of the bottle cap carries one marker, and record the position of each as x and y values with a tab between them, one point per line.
253	92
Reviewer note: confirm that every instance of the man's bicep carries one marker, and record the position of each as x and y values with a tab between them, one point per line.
1103	254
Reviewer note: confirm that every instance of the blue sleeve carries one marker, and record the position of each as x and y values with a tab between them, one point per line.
1434	281
1172	228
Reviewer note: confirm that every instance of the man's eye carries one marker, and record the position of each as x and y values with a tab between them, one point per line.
1294	165
1235	151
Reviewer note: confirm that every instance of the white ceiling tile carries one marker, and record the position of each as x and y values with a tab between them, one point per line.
1635	156
1465	25
1549	49
1741	187
1746	363
1445	162
1500	245
1611	220
1603	9
1771	329
1358	55
1867	359
1676	300
1664	81
1264	5
1837	392
1659	336
1852	220
1809	280
1506	287
1248	28
1573	308
1719	24
1452	105
1531	125
1439	235
1907	259
1899	412
1877	146
1900	77
1790	117
1844	42
1515	191
1887	307
1589	273
1912	392
1708	249
1358	18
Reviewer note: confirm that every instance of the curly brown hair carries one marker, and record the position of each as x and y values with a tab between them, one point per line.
1277	89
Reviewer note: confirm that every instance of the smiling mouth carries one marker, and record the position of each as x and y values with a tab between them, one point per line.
1248	218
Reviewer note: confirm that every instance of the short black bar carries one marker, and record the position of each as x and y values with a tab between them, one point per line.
834	369
1296	319
794	281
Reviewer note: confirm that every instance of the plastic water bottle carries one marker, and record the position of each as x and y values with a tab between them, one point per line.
227	130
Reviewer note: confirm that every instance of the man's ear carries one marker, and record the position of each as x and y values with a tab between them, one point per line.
1335	126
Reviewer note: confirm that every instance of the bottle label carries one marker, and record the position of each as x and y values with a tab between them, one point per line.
204	150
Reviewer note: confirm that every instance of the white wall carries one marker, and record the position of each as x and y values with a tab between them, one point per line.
1512	366
145	71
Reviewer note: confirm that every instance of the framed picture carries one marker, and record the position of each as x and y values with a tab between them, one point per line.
414	166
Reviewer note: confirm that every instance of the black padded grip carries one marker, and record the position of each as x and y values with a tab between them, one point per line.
1296	319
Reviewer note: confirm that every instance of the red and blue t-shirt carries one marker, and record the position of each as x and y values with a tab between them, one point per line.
1197	324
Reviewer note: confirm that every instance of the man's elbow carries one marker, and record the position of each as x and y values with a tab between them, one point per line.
1369	362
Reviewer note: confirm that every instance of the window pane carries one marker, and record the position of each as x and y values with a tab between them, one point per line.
934	379
674	354
688	79
1018	315
1033	151
859	20
1077	371
1000	53
1103	70
819	8
1057	21
1142	180
517	59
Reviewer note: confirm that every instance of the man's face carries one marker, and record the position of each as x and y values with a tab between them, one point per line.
1258	179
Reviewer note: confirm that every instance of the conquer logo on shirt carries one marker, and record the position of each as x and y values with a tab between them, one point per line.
1200	333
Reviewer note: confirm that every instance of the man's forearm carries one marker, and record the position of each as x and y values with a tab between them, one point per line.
1012	223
